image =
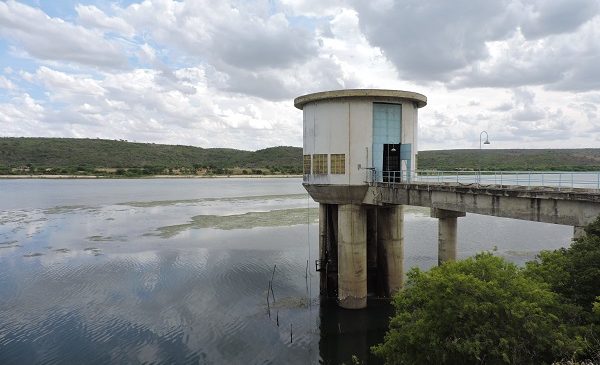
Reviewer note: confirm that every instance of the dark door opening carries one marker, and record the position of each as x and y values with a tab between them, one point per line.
391	163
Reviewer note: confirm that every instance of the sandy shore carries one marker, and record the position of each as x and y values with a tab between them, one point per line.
145	177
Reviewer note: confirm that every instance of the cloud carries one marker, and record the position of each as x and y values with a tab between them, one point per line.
6	84
227	34
138	105
21	116
428	40
556	17
248	50
504	43
54	39
91	16
559	62
225	73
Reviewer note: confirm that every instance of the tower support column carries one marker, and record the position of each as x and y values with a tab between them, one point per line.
578	232
352	256
323	247
447	232
390	242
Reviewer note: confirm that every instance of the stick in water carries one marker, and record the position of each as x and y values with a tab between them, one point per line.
291	334
271	282
306	273
268	305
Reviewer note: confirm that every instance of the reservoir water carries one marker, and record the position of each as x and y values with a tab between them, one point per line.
177	271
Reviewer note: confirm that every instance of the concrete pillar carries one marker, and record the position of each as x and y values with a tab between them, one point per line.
352	256
372	277
447	224
323	247
390	240
578	232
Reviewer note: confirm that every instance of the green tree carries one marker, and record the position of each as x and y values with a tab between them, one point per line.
482	310
572	272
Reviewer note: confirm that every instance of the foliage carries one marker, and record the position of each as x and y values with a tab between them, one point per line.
122	158
572	272
476	311
584	159
85	156
485	310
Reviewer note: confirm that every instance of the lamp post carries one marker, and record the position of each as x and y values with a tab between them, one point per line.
487	141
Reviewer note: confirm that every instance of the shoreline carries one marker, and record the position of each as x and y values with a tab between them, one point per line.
87	177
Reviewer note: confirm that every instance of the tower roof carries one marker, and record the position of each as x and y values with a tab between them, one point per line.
375	94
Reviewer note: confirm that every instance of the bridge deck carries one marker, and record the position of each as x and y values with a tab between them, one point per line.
572	206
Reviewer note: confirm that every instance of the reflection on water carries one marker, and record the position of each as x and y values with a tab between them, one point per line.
134	271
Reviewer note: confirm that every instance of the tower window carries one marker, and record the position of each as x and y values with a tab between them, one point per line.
307	164
338	163
320	164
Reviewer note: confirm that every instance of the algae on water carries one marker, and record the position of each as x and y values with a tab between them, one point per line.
160	203
273	218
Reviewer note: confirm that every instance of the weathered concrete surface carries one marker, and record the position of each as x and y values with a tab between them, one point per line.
352	256
323	245
578	232
337	194
371	94
390	243
574	208
447	233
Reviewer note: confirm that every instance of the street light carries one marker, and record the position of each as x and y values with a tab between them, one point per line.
487	141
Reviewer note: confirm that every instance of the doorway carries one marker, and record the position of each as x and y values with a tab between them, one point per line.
391	162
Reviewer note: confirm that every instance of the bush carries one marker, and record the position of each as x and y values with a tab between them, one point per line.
482	310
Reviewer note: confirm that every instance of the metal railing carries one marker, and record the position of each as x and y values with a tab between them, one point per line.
530	179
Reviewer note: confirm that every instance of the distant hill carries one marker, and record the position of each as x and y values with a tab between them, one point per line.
584	159
69	155
99	156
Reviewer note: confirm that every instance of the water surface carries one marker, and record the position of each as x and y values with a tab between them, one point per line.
177	270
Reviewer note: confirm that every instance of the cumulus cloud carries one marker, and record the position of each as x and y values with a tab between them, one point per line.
136	105
249	50
428	40
49	38
6	83
225	73
91	16
505	43
559	16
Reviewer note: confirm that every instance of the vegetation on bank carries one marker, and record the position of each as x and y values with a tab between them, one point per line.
71	156
485	310
581	159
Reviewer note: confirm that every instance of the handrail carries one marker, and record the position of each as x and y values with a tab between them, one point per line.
529	179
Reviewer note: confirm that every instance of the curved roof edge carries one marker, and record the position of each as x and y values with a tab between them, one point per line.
420	99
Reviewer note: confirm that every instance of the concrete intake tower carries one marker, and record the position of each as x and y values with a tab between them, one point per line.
352	138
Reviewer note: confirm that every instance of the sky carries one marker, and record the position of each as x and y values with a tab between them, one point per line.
224	73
